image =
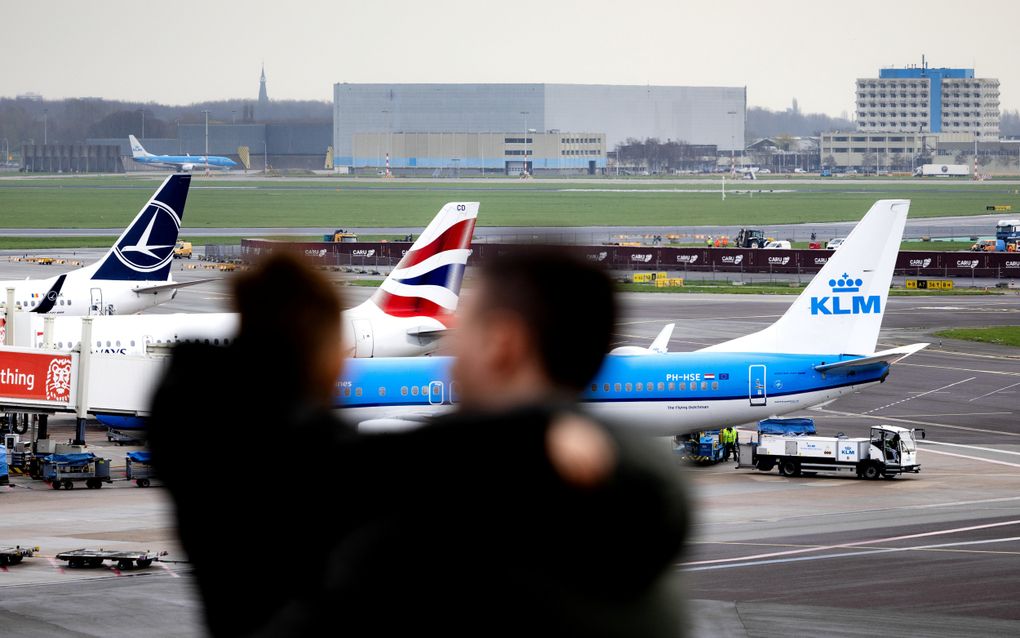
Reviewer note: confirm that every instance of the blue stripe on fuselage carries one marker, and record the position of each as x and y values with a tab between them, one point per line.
785	375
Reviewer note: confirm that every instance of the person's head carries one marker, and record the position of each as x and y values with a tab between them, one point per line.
292	313
536	326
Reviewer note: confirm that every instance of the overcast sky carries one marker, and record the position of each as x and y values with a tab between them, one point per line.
184	51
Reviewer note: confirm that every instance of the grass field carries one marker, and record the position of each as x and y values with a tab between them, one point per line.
728	288
110	202
1002	335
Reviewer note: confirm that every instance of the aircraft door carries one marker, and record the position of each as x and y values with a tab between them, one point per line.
756	387
96	301
364	339
436	389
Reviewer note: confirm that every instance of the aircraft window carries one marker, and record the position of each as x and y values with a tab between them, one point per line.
226	342
605	387
216	342
683	385
403	391
69	302
715	385
206	342
132	343
118	343
672	386
61	302
704	385
107	344
60	344
594	387
694	386
99	344
414	390
639	387
382	391
347	392
357	392
617	387
424	390
629	387
650	385
662	386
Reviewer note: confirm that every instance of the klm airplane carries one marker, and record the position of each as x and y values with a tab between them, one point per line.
185	163
822	348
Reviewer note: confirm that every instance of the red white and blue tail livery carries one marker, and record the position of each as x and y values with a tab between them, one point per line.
415	304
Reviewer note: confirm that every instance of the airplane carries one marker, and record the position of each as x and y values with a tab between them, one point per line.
185	163
408	314
132	276
822	348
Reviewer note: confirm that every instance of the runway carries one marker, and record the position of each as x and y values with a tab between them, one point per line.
933	554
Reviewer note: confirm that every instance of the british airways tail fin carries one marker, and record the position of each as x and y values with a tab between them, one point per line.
426	282
145	250
137	150
841	310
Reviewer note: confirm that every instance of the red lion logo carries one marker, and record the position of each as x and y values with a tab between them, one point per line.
58	380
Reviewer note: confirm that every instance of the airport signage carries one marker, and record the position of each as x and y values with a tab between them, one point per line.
34	377
930	284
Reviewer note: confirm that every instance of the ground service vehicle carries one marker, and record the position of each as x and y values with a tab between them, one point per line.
835	243
1007	235
984	246
751	238
182	250
341	236
942	170
779	244
793	447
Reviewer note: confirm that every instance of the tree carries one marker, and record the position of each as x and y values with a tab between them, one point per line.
898	162
961	158
868	161
830	160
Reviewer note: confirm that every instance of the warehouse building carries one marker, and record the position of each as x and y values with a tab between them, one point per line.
696	115
509	153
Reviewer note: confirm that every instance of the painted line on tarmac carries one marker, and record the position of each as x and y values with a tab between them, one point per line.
820	548
918	396
994	392
973	458
972	447
1000	372
866	552
914	422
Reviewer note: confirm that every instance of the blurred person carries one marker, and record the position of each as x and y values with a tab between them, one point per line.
229	432
518	513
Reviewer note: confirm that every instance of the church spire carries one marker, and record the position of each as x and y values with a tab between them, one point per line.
263	95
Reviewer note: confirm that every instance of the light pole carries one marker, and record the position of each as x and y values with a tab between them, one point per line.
45	124
525	169
179	151
206	141
733	141
142	111
265	157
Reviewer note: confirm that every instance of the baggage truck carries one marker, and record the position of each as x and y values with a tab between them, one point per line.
792	446
942	170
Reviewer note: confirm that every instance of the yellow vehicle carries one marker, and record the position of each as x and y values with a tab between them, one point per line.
182	250
341	236
984	246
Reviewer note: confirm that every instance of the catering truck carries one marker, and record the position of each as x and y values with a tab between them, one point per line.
793	446
942	170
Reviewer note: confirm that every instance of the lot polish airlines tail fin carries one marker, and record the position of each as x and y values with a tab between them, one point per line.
841	310
426	282
145	250
137	150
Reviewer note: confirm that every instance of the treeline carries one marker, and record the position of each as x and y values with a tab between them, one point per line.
658	156
762	122
1010	124
76	119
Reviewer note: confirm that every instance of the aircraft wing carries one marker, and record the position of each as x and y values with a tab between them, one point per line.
173	285
885	356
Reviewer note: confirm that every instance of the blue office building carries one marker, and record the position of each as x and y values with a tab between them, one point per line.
922	99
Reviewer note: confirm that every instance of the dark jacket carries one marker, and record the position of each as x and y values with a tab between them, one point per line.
466	529
242	452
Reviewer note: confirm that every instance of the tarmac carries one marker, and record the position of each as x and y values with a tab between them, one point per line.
932	554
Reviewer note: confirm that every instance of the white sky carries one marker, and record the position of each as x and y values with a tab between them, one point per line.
184	51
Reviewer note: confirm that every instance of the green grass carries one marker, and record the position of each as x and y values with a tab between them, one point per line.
914	245
727	288
1000	335
109	202
32	243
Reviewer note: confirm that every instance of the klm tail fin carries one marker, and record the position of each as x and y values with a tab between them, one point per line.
841	310
426	282
145	250
137	150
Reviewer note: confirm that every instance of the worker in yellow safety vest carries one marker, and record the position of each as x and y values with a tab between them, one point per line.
728	439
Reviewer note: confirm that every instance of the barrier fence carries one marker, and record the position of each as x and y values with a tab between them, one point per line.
732	260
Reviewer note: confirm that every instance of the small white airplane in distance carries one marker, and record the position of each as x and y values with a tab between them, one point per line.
185	163
132	276
405	317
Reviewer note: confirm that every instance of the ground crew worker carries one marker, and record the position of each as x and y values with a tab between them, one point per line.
728	438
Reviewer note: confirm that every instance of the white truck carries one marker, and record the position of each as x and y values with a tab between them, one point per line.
942	170
793	447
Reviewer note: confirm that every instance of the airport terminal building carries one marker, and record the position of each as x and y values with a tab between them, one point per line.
405	120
